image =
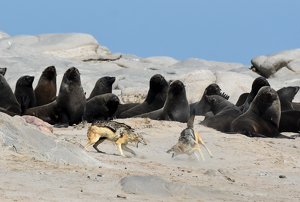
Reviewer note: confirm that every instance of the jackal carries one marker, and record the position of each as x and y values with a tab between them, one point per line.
189	141
120	133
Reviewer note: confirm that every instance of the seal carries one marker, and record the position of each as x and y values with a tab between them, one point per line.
69	106
24	93
124	107
256	85
3	70
155	99
242	99
223	112
45	90
290	121
102	86
8	100
262	118
176	107
101	107
286	96
202	107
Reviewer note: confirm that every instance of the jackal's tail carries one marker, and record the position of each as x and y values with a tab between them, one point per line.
190	123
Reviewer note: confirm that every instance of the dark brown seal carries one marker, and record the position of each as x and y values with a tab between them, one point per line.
45	90
8	100
24	93
202	107
223	112
176	107
101	107
102	86
155	99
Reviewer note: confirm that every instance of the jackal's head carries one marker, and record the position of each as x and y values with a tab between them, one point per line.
177	149
139	138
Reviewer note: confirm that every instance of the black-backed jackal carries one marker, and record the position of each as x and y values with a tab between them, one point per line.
120	133
189	141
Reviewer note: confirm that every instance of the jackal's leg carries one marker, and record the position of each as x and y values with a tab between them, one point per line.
119	145
197	147
127	149
200	141
97	143
93	137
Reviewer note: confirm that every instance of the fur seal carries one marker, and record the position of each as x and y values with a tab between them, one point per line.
286	96
223	113
101	107
3	70
176	107
155	99
290	121
45	90
256	85
202	107
262	118
124	107
24	93
69	106
242	99
8	100
102	86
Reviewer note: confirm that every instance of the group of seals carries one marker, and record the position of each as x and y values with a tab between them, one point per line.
263	112
69	106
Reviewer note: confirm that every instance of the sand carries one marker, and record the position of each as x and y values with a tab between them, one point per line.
242	169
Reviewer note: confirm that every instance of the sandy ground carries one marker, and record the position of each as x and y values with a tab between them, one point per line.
243	169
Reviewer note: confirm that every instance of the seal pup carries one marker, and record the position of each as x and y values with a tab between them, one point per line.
3	70
286	96
155	99
256	85
101	107
69	106
176	107
189	141
263	116
45	90
202	107
223	112
102	86
24	93
124	107
8	100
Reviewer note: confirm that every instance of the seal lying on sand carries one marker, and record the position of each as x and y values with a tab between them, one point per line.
223	113
176	107
155	99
